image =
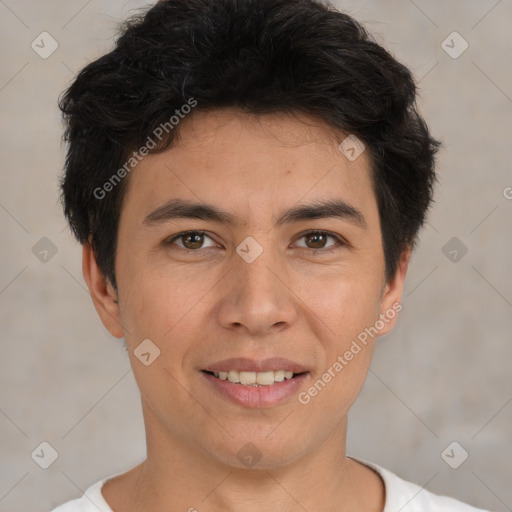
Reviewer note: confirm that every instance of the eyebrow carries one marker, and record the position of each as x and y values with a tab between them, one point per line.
180	208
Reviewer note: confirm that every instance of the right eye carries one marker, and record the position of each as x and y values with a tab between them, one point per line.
191	240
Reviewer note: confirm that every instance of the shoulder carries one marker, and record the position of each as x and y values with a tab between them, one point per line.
91	501
70	506
410	497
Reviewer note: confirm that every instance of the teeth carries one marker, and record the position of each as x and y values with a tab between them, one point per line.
264	378
247	378
233	376
279	376
254	378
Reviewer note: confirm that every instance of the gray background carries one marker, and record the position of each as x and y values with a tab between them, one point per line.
443	375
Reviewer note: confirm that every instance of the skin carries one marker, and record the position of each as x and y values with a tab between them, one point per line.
203	306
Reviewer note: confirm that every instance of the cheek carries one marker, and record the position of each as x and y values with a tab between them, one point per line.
342	321
164	305
344	305
343	316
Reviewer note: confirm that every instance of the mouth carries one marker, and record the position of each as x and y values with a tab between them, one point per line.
254	379
255	389
255	382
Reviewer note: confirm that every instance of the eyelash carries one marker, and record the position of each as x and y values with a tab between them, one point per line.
339	241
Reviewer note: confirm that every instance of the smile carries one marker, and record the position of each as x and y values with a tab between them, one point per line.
254	378
255	389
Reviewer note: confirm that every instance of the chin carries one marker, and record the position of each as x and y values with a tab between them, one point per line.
258	452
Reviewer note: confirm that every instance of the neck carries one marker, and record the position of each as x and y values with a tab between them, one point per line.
178	477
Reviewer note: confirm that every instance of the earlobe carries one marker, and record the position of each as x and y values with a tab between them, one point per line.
102	292
392	295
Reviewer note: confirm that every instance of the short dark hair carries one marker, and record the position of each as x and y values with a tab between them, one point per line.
260	56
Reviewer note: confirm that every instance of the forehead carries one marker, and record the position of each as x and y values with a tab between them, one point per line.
251	164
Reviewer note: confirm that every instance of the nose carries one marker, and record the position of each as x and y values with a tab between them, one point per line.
258	297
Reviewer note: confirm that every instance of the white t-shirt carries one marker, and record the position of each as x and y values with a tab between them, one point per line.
401	496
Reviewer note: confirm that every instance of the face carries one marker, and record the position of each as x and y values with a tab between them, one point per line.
252	276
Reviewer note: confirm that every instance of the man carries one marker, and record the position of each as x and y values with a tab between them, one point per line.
248	179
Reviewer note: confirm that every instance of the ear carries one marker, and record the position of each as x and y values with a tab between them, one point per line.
102	292
392	294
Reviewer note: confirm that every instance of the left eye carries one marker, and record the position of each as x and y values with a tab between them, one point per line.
319	238
193	240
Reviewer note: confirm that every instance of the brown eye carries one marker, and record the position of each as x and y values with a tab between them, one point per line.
191	240
316	240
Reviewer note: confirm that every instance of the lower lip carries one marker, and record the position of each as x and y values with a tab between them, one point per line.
263	396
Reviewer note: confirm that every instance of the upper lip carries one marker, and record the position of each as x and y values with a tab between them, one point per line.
243	364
